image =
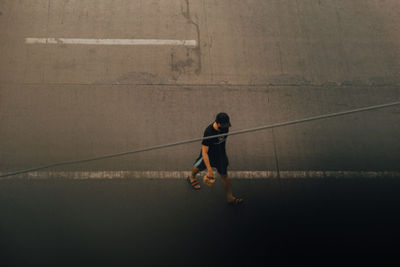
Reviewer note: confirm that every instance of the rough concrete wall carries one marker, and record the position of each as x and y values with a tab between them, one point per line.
260	61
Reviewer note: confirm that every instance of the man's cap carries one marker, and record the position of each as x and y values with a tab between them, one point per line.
223	119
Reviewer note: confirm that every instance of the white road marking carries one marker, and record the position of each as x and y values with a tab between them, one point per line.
83	175
109	41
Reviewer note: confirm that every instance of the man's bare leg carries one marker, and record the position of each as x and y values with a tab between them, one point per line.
192	177
227	185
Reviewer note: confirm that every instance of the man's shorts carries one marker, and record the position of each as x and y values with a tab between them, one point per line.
221	165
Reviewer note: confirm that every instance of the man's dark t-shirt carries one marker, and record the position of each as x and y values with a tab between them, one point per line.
216	146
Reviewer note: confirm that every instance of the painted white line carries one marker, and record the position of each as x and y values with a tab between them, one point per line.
83	175
76	41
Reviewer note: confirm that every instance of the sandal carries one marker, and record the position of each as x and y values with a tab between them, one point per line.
236	201
193	184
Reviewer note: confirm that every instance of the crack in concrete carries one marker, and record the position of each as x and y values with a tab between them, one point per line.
47	34
186	14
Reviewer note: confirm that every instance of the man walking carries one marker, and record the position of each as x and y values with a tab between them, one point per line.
213	154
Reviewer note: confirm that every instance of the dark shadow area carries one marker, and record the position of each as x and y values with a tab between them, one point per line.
164	223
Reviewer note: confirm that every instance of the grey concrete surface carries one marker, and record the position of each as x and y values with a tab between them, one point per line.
260	61
143	222
60	124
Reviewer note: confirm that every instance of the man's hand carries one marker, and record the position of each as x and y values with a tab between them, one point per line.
209	178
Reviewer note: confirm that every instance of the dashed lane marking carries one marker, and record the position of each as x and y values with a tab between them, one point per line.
77	41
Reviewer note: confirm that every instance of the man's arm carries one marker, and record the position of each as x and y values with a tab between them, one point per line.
204	153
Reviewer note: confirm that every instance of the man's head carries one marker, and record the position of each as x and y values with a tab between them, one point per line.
222	121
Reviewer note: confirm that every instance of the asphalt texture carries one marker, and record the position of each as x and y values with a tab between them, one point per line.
153	222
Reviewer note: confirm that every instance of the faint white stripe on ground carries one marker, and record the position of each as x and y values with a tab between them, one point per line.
78	41
82	175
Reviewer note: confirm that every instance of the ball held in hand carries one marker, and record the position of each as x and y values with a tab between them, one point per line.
208	180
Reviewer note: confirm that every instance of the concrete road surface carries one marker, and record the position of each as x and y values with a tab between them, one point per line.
155	222
260	61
